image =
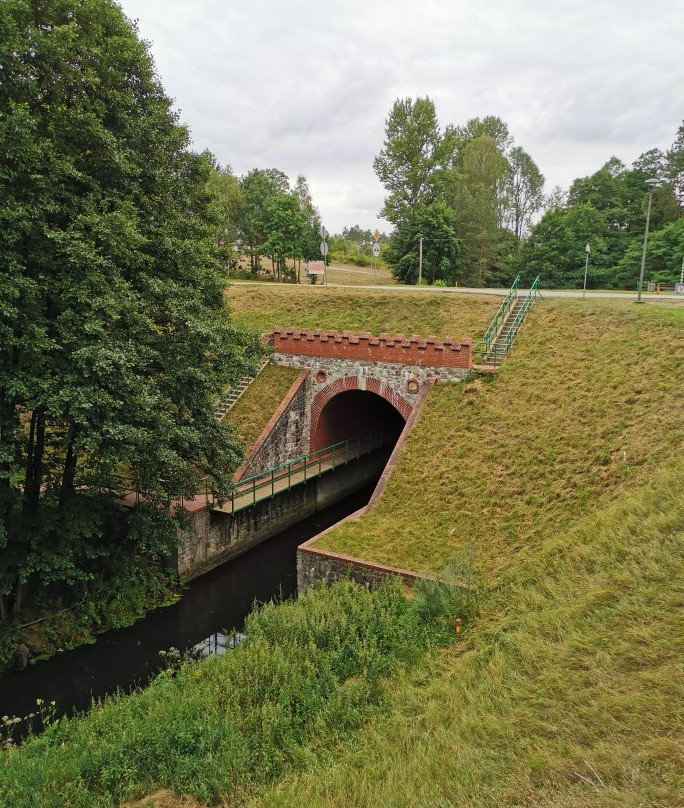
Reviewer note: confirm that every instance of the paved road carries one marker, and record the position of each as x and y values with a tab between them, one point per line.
463	290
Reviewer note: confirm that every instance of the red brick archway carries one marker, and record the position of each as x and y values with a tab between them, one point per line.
352	383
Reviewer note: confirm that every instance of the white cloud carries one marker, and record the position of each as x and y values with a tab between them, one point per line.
306	87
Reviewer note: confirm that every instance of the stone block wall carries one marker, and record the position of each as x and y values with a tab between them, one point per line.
286	436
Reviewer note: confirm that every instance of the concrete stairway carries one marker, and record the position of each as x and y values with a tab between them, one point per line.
230	397
502	343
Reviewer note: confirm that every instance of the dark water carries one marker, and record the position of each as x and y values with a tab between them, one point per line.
129	657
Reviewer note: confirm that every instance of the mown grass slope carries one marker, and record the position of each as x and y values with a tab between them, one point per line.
258	403
587	407
566	695
265	307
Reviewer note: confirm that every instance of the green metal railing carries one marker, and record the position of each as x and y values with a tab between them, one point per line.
264	485
500	317
491	348
284	477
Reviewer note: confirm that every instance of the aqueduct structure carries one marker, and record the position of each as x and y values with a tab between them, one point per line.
350	388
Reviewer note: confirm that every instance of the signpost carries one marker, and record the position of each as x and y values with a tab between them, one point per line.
324	252
376	252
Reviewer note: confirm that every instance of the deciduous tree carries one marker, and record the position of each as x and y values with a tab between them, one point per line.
114	331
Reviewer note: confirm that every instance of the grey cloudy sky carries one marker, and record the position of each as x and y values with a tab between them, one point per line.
305	87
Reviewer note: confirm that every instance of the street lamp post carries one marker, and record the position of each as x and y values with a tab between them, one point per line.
587	249
651	186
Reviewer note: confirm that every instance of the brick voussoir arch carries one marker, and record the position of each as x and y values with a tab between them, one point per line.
352	383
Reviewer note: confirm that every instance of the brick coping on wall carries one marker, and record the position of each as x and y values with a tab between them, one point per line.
430	352
406	575
271	425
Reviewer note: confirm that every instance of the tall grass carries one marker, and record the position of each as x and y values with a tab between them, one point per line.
310	673
567	694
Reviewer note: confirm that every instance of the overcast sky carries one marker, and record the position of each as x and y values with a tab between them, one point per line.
306	86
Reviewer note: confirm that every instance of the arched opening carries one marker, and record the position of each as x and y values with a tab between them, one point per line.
357	413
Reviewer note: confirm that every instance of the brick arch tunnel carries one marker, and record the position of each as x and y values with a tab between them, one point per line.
345	411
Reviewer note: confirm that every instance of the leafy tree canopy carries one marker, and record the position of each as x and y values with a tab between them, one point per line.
113	324
436	223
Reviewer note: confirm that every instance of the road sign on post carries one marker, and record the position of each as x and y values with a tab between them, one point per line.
324	253
376	235
376	250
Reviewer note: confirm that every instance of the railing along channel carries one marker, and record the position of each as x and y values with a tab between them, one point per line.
282	478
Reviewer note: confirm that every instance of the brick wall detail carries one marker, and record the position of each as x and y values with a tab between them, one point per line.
430	352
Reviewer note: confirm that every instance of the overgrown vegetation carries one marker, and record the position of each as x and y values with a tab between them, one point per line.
567	694
309	674
61	623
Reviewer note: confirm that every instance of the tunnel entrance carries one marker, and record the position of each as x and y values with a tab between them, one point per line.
355	413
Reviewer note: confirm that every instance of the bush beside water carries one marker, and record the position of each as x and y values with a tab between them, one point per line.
310	673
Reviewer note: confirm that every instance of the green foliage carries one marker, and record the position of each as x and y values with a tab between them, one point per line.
310	673
412	158
664	256
112	314
436	224
556	249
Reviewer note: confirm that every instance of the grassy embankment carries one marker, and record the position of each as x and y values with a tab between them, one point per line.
564	473
565	692
265	307
588	406
258	403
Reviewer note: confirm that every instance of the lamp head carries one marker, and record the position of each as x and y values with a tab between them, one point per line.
587	248
653	183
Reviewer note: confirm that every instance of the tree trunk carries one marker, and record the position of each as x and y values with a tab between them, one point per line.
3	610
34	460
18	597
69	472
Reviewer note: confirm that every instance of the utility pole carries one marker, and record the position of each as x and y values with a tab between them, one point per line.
420	262
651	185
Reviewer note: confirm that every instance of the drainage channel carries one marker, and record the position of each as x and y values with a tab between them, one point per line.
211	606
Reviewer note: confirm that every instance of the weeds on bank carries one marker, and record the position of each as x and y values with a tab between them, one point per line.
310	673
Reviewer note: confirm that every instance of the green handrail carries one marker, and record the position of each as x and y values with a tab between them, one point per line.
263	485
499	318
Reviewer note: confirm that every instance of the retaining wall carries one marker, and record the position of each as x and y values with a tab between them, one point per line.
214	537
430	352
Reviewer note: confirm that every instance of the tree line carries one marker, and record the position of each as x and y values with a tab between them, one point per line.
261	215
475	202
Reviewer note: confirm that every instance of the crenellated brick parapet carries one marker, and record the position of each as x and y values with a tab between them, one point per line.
430	352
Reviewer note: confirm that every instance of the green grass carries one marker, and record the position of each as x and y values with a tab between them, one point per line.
264	307
565	475
309	674
588	406
575	665
258	403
